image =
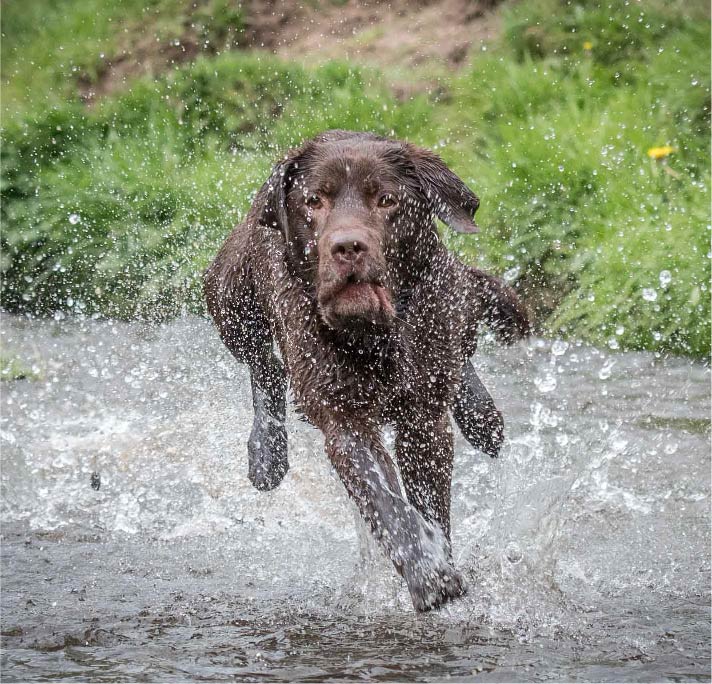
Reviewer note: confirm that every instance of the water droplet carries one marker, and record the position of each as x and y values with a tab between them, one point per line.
74	219
605	372
649	294
559	347
665	278
513	553
511	274
545	384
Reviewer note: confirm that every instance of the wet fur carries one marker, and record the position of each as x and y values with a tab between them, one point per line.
349	383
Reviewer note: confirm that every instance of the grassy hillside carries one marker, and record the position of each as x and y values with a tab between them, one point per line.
135	133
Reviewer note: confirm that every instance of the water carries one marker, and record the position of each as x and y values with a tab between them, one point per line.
586	545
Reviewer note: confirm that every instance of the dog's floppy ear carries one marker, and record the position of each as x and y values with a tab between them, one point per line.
273	195
450	199
274	191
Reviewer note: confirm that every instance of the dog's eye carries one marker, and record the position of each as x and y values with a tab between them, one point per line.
387	200
314	201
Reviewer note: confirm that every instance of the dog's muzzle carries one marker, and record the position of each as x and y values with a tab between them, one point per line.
351	291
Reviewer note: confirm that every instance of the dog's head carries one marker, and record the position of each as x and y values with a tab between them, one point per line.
356	211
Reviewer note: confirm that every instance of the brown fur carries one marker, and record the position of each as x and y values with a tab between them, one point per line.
339	262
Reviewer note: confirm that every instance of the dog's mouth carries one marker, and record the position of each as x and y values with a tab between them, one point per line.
355	304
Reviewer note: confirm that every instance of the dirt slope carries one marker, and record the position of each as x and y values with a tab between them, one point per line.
397	35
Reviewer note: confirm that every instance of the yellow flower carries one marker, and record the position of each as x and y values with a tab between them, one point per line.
660	152
588	45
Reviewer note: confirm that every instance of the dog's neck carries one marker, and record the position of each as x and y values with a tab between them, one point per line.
371	343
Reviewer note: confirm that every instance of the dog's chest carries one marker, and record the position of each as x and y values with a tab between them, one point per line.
417	366
358	381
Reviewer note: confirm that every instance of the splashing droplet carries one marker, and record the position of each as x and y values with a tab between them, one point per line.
513	553
605	372
559	347
545	384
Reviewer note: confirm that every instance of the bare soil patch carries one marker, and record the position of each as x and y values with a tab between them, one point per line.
397	35
390	34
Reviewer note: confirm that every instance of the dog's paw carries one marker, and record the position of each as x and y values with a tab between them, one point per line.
482	427
492	433
267	452
434	584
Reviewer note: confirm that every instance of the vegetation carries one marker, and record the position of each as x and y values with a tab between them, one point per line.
114	203
615	243
13	368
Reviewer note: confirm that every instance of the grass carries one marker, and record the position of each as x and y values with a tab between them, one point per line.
582	218
116	207
48	46
13	368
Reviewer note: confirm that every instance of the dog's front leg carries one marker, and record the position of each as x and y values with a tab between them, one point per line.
475	413
267	445
424	453
418	548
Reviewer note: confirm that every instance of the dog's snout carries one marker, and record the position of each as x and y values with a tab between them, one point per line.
347	246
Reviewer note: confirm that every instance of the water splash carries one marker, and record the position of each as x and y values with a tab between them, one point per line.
596	505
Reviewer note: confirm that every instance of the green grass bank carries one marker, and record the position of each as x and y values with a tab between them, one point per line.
114	204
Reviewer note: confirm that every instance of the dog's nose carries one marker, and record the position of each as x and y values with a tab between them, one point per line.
347	246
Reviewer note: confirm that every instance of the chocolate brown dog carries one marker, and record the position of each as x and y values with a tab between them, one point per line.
339	262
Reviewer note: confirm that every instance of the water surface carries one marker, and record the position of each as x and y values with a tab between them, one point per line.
586	545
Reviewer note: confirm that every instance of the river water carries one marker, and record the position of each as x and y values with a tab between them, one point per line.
586	545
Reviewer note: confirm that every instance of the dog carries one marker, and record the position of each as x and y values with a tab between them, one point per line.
339	262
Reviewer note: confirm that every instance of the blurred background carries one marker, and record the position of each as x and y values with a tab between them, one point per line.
135	134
